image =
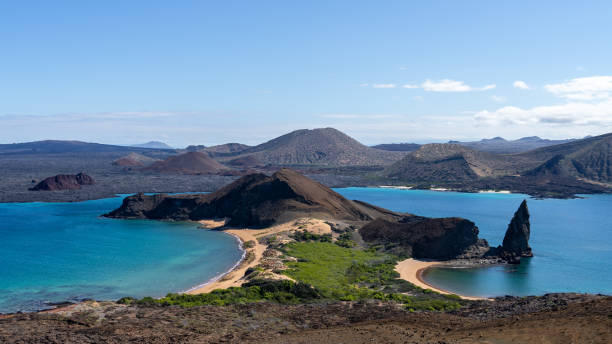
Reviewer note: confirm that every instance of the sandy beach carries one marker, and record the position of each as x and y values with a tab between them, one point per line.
254	254
233	278
412	269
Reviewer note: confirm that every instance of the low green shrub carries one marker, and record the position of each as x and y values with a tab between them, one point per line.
285	292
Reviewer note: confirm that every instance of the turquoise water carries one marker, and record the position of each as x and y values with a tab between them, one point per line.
54	252
571	240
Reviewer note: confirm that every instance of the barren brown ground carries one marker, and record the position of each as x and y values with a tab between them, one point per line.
555	318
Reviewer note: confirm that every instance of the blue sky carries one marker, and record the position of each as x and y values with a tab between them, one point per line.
196	72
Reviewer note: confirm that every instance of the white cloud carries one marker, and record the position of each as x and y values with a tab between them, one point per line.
363	85
521	85
445	85
448	85
588	88
499	99
384	85
568	114
410	86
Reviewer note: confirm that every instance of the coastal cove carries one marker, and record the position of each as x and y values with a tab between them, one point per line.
57	252
571	240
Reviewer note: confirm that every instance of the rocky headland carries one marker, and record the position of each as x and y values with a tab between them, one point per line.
254	201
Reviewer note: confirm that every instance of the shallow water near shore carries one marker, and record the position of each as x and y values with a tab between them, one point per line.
571	240
55	252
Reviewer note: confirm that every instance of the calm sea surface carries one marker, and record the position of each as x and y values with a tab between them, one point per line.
53	252
571	240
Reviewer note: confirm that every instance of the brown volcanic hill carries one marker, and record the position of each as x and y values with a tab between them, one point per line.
227	148
188	163
245	161
444	162
320	147
589	159
64	182
255	200
133	160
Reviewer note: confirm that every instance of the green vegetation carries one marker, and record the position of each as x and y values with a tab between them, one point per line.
249	244
324	271
349	274
345	240
305	235
324	265
285	292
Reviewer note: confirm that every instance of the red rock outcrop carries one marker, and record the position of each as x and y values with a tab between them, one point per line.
64	182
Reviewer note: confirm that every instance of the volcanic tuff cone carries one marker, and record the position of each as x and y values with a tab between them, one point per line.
188	163
64	182
133	160
323	147
255	200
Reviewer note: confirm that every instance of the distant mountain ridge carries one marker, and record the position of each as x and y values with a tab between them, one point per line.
589	159
62	146
153	144
500	145
572	165
398	147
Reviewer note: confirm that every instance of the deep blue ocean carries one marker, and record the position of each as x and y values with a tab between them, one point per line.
53	252
571	240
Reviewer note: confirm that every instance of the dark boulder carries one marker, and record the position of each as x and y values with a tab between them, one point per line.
421	237
64	182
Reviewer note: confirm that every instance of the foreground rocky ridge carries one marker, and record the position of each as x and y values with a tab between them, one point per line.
553	318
